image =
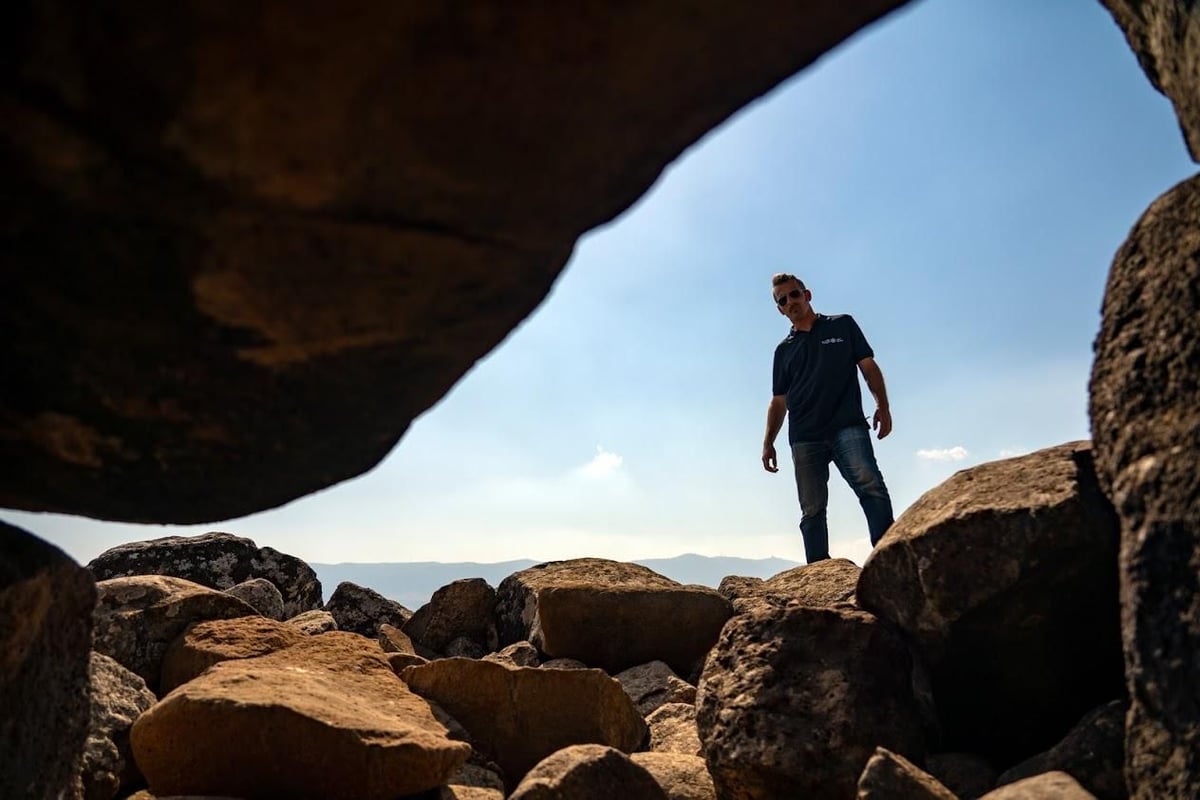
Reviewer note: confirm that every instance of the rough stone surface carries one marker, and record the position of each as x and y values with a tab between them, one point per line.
262	595
216	560
673	729
117	698
1093	753
563	663
1145	420
1005	577
517	654
965	774
231	241
824	583
610	614
518	716
651	685
1047	786
682	777
45	640
314	622
794	701
1165	37
890	776
401	660
588	772
394	640
324	718
360	610
463	609
137	618
206	643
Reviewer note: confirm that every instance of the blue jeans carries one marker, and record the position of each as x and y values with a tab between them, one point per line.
850	449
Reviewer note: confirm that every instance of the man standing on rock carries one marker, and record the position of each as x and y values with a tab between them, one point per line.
815	385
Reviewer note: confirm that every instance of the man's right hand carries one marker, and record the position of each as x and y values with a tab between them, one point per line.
770	462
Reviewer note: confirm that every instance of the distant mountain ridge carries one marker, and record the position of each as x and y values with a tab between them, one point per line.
412	583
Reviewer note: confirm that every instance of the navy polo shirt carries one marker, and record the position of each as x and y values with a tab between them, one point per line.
817	371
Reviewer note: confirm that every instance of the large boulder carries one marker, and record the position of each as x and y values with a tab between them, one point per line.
823	583
216	560
234	246
324	718
610	614
137	618
1146	422
1165	37
890	776
1005	578
1093	753
682	777
46	602
794	701
203	644
520	715
362	610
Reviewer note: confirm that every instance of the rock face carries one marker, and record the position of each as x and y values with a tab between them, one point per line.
262	595
203	644
1092	753
1165	37
117	698
1005	577
588	772
520	715
682	777
325	718
216	560
1145	421
610	614
1047	786
794	701
137	618
889	776
462	609
46	601
361	610
821	584
241	234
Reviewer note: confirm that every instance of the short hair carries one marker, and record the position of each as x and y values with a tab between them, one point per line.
784	277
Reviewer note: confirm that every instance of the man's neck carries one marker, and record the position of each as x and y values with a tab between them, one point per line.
806	324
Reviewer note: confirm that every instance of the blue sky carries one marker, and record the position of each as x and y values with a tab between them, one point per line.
957	177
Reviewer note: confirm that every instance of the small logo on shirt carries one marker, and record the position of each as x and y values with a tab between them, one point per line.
833	340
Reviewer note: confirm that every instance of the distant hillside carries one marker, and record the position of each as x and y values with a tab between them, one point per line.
412	583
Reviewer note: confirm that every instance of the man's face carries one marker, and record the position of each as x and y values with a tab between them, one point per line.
792	301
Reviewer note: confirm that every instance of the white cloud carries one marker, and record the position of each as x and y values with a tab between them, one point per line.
957	453
602	465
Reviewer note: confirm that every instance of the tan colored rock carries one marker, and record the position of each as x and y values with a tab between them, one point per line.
588	772
118	697
457	792
682	777
564	663
794	701
206	643
673	729
824	583
610	614
965	774
323	718
1047	786
890	776
45	645
1005	571
1145	419
517	654
518	716
399	661
314	622
138	617
651	685
394	640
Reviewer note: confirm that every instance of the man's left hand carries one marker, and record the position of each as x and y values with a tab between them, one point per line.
883	422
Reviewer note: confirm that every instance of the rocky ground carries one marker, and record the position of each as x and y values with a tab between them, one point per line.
976	654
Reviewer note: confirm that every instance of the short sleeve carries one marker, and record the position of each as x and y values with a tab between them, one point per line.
859	345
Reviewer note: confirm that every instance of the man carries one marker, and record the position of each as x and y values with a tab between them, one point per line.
816	387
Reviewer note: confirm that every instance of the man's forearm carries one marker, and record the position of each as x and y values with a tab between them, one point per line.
775	417
874	377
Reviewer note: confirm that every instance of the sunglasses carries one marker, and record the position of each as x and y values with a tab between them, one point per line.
793	294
